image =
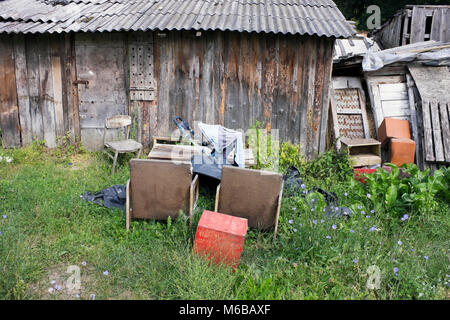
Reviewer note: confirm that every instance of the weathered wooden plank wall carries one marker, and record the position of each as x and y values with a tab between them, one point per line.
415	24
228	78
35	90
9	111
236	79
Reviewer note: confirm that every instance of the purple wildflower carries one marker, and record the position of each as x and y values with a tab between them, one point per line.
368	196
405	217
83	263
352	231
291	221
106	273
400	242
425	257
4	216
396	271
303	186
355	260
328	237
314	221
334	227
295	230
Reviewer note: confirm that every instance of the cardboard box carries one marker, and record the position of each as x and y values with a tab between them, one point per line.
401	151
393	128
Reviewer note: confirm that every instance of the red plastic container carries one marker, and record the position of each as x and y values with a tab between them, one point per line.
220	237
359	174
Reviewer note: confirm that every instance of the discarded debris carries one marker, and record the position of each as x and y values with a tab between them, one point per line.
113	197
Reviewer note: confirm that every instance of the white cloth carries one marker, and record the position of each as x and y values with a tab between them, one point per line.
225	139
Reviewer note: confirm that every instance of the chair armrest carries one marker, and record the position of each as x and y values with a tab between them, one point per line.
128	209
193	196
280	198
216	206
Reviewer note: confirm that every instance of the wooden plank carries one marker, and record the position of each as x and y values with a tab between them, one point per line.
32	45
437	132
325	96
436	25
376	105
398	108
364	160
71	98
46	92
57	86
418	25
413	120
23	97
405	36
334	115
445	126
393	91
428	131
9	111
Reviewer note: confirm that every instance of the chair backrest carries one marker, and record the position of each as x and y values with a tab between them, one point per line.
159	188
117	122
250	194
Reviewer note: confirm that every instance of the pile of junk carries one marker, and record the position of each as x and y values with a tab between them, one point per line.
220	159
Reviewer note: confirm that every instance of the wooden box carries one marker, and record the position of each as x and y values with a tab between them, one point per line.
363	152
220	238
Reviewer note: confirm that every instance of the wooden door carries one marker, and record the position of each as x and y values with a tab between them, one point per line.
100	64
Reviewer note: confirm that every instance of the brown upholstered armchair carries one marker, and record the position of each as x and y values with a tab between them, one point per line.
251	194
158	189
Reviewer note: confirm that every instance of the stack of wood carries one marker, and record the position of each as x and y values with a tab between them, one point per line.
169	149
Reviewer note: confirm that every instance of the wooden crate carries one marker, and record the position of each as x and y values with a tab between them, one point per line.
363	152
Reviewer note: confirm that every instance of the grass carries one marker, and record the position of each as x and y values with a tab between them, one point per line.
47	227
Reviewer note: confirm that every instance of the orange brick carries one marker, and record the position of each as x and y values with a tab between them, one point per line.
402	151
220	237
393	128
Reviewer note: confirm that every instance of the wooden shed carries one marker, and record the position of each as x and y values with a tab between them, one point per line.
66	65
415	23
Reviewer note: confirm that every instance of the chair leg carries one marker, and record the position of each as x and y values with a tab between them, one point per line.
128	216
115	162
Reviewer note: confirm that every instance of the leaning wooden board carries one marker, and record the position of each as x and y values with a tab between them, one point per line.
433	84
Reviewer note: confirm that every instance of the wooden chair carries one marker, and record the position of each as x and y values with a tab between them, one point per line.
159	189
122	146
251	194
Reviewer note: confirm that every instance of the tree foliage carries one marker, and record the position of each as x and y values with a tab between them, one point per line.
356	10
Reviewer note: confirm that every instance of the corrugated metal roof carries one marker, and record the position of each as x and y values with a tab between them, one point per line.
306	17
353	47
